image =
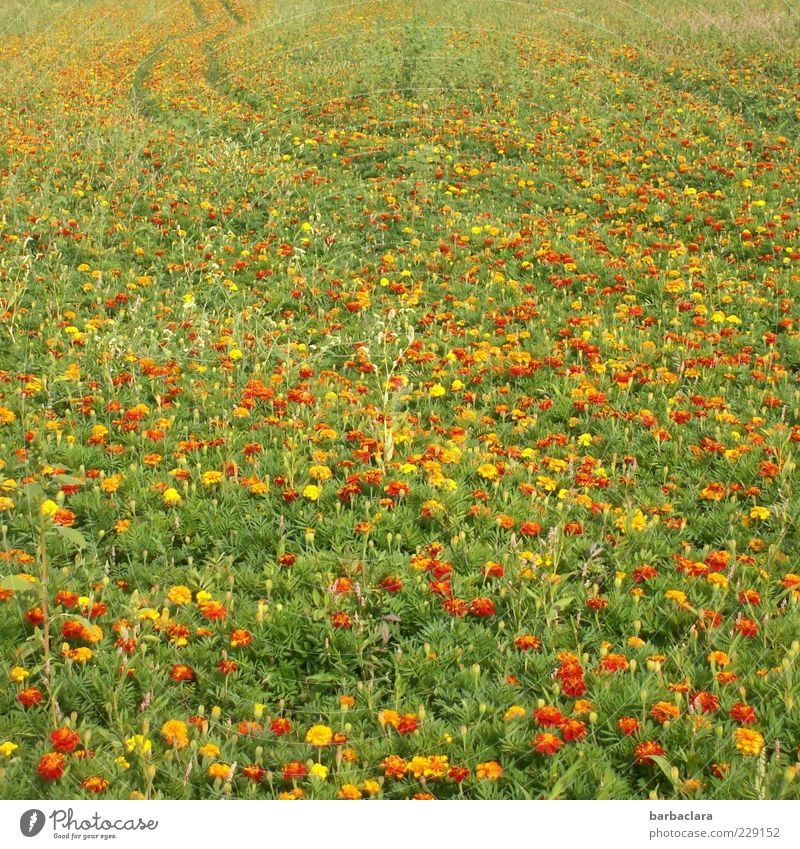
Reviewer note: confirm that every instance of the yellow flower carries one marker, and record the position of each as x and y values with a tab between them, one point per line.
7	749
514	712
319	735
319	772
371	787
488	471
122	763
585	440
211	478
761	513
172	497
678	596
6	503
749	743
49	508
6	416
311	492
19	674
219	770
138	744
111	484
437	390
179	594
209	750
82	654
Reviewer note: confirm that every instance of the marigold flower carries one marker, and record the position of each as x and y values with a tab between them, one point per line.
546	743
254	772
240	638
319	772
349	791
95	784
219	770
18	674
51	766
489	771
319	735
280	726
646	751
8	748
394	766
179	595
30	697
64	739
175	733
294	770
748	742
628	725
527	642
743	714
171	497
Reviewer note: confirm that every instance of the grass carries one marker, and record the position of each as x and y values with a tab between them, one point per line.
399	400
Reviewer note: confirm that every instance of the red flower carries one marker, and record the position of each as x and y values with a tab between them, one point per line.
51	766
180	672
391	584
743	714
573	729
253	772
481	607
646	751
240	638
455	606
340	619
294	770
35	616
458	774
527	642
30	697
746	627
706	702
547	716
280	726
547	743
64	739
628	725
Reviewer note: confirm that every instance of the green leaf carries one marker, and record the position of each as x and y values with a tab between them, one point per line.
33	491
68	479
72	536
18	584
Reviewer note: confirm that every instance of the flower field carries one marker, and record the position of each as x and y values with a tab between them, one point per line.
399	400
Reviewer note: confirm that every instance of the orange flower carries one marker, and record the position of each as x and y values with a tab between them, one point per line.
748	742
95	784
65	739
489	771
51	766
646	751
175	733
547	743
